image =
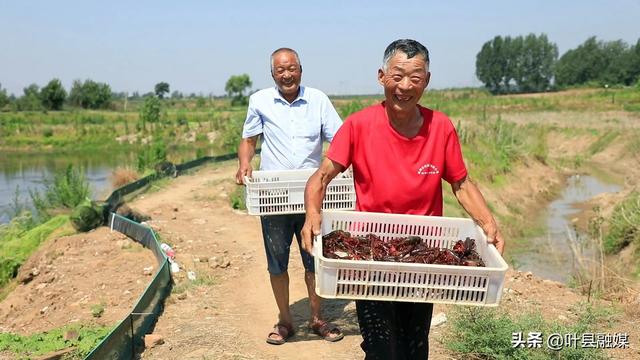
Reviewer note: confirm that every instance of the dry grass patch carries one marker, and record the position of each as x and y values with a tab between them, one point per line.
123	176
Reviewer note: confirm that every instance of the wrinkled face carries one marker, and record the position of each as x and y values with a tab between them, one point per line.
287	73
404	81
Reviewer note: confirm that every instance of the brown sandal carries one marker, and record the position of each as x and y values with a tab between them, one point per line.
326	329
282	330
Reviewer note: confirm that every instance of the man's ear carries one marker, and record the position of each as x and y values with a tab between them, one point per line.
300	69
427	79
381	77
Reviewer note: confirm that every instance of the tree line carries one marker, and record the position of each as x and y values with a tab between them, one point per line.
531	64
90	94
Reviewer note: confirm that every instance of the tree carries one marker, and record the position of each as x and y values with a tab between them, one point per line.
582	64
30	101
161	88
53	95
523	64
491	65
4	98
535	59
236	87
90	94
150	111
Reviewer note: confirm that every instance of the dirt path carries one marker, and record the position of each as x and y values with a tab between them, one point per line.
228	310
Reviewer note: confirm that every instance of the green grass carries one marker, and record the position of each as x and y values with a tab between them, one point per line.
237	198
26	347
624	224
18	242
603	141
484	333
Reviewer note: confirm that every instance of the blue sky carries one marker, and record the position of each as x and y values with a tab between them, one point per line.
196	45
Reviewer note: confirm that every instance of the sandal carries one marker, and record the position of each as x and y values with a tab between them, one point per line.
326	330
281	330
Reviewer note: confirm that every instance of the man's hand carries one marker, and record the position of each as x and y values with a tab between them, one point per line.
243	170
494	236
310	230
246	150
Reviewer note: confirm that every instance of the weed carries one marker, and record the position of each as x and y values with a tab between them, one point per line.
97	310
237	198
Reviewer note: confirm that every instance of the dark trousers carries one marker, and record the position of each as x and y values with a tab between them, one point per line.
394	330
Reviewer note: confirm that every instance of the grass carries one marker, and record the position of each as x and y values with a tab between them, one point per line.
237	198
26	347
624	225
483	333
18	241
603	141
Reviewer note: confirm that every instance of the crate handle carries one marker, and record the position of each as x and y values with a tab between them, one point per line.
246	180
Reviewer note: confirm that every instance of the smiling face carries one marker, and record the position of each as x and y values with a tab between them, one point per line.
287	74
404	81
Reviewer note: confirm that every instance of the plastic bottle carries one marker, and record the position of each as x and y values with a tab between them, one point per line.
168	251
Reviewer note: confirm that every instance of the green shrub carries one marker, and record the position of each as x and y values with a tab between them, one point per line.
149	156
67	190
87	216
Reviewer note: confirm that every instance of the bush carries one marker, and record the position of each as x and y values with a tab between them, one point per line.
87	216
67	190
151	155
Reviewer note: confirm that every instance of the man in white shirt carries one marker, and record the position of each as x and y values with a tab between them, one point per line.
294	121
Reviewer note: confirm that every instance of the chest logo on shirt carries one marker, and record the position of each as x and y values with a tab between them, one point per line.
428	169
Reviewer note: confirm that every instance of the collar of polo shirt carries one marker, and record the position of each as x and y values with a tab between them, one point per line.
278	97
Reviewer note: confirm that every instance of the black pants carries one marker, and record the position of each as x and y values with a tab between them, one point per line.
394	330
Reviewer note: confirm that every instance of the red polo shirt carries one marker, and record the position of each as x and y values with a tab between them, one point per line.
395	174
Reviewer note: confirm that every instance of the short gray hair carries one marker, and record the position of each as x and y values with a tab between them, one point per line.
410	47
273	54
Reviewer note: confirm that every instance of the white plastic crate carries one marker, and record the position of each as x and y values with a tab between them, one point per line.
392	281
282	192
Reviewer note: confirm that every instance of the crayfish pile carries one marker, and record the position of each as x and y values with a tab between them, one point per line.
341	245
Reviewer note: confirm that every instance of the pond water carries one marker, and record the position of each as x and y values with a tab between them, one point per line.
21	173
550	256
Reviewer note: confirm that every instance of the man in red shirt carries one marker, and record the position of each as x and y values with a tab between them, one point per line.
400	152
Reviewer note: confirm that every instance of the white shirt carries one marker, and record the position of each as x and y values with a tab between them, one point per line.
293	132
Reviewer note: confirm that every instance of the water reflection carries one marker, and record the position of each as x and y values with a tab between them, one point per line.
25	172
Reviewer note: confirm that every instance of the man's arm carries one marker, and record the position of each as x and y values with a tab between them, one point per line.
313	195
246	150
471	199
